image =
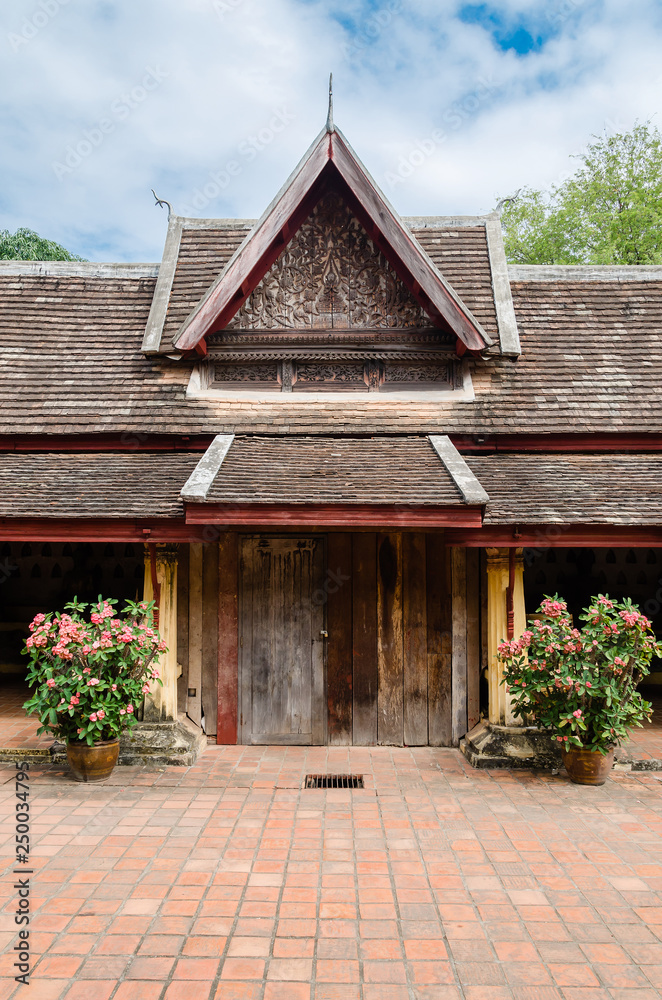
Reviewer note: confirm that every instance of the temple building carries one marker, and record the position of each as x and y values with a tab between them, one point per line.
346	453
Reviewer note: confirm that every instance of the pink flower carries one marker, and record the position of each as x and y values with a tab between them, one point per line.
578	713
51	682
79	730
113	687
145	688
101	714
93	717
588	684
122	711
129	709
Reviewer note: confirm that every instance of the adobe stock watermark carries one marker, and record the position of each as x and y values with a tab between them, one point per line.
610	128
454	118
560	14
119	111
225	7
370	29
30	27
247	150
6	569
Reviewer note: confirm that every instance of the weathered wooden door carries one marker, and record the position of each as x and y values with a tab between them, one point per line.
282	640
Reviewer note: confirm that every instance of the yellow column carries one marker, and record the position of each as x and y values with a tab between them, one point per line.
161	702
497	627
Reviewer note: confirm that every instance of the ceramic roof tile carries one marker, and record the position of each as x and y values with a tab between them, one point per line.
579	489
403	470
94	485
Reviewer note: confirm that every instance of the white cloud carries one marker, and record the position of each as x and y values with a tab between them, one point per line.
225	73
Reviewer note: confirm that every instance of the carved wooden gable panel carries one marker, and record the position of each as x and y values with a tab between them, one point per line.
331	276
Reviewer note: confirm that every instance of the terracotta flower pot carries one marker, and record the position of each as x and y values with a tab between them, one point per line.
93	763
587	767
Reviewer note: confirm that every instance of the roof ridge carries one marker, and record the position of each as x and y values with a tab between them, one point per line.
77	269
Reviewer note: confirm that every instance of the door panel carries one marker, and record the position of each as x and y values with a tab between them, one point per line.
281	646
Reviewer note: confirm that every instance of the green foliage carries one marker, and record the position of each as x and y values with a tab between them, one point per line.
608	212
90	675
581	685
25	244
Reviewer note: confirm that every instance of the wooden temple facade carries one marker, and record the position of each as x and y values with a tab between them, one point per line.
339	449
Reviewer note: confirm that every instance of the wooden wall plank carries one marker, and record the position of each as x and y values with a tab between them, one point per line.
438	598
415	645
228	650
473	637
459	618
210	636
364	632
390	727
195	630
182	627
338	593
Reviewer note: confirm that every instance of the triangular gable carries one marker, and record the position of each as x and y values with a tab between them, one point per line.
330	164
331	276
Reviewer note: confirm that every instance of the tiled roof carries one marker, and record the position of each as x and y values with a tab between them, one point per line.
461	255
579	489
94	485
203	253
70	362
404	470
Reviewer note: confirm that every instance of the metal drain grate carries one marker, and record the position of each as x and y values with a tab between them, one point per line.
333	781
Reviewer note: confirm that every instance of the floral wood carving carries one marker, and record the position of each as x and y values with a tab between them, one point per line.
331	276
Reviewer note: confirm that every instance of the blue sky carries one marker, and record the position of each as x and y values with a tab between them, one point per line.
450	105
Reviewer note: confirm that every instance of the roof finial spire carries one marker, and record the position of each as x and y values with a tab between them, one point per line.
329	118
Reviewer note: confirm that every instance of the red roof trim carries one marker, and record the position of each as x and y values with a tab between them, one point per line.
329	160
336	515
42	529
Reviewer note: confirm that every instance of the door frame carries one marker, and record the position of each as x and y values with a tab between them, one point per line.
319	722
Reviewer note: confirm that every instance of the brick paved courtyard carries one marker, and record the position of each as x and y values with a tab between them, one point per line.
435	882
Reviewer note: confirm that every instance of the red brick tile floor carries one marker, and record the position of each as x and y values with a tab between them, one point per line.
228	881
646	743
18	730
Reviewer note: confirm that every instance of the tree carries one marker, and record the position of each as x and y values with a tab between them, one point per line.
25	244
608	212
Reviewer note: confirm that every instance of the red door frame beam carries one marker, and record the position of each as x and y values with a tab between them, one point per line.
558	536
36	529
135	441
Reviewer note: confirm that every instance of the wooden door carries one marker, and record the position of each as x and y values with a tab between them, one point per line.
281	640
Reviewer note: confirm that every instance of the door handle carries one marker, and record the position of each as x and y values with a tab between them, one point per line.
324	633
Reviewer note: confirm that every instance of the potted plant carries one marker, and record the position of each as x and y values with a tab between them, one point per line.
89	674
580	685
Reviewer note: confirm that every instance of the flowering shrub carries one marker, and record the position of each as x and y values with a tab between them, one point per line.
581	685
90	675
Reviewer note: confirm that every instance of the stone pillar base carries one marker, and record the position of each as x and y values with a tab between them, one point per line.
156	744
490	745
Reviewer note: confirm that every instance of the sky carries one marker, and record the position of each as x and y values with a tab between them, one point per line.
211	103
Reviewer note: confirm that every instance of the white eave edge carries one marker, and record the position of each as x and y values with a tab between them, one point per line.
471	490
157	313
503	298
199	483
